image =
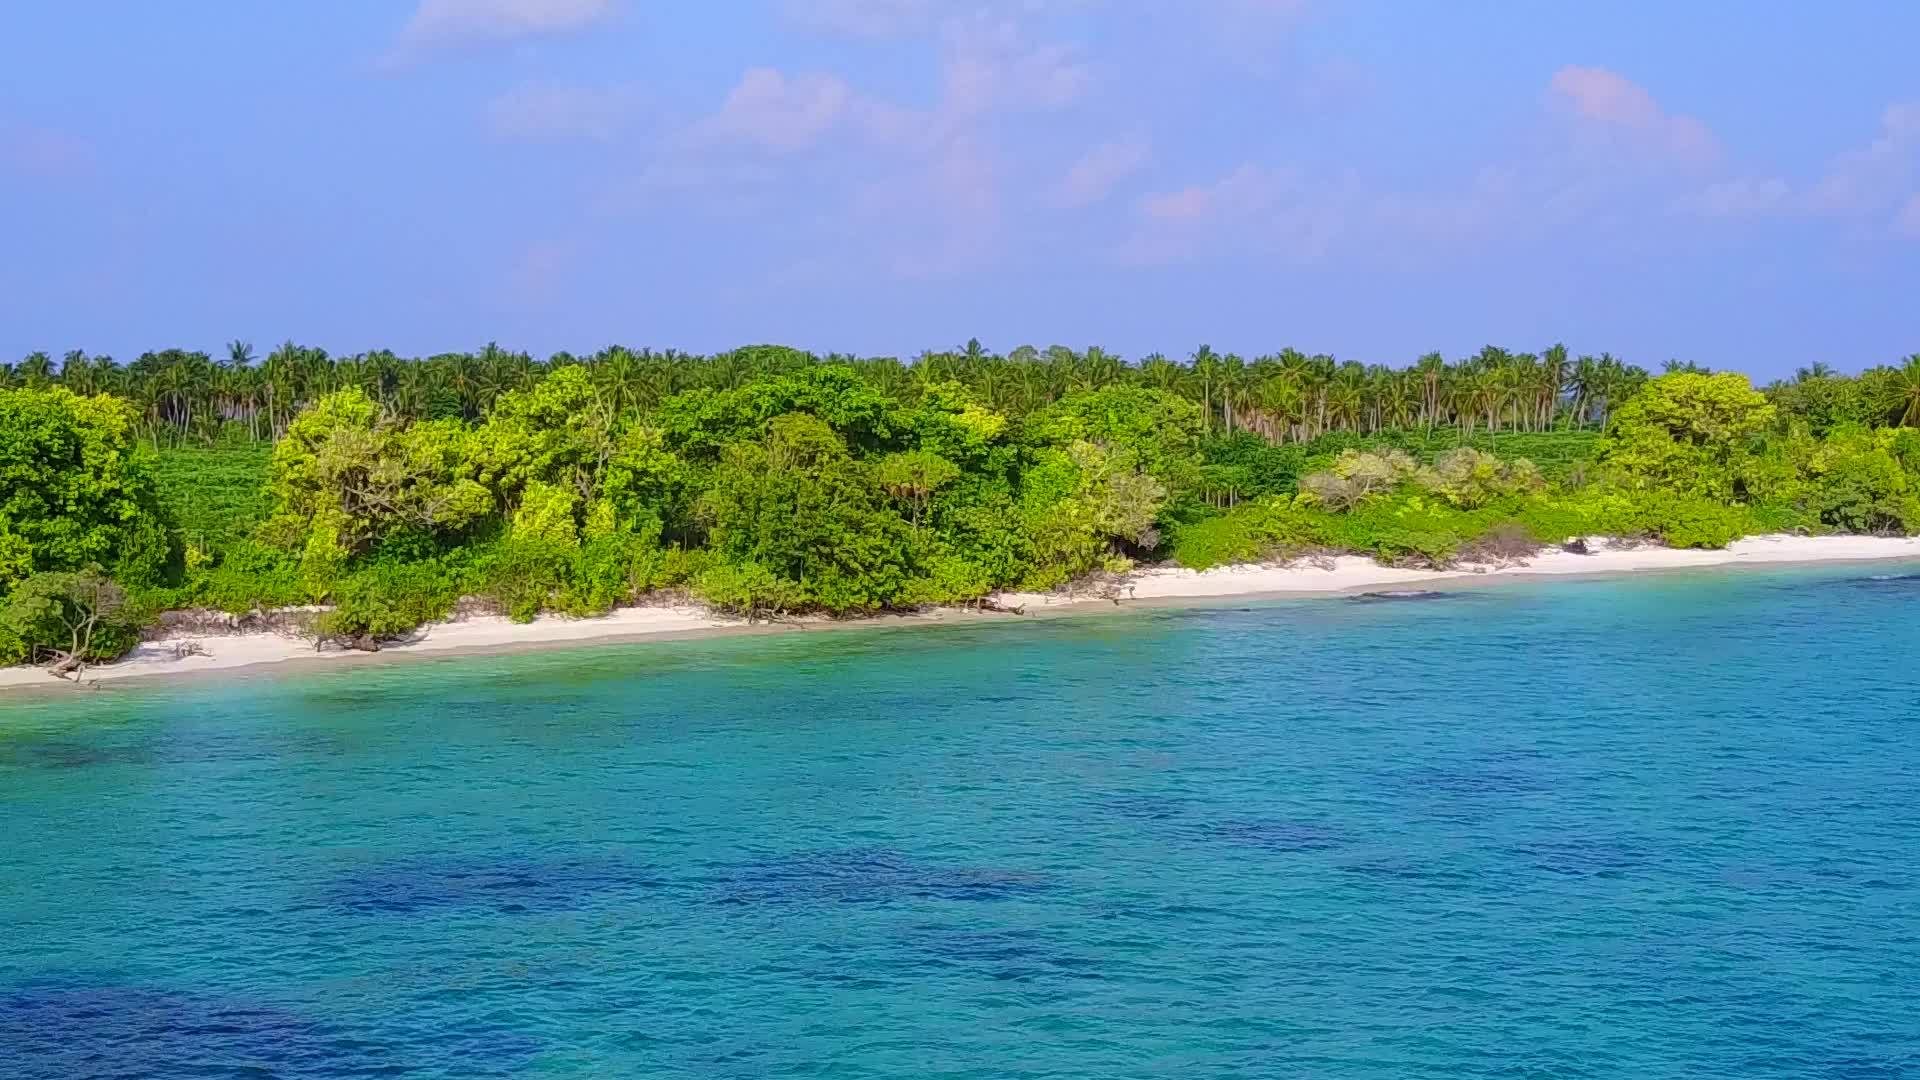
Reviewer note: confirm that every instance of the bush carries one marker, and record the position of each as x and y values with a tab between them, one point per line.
1690	522
1470	478
1507	542
748	589
387	602
525	576
68	618
1357	475
1221	541
1860	486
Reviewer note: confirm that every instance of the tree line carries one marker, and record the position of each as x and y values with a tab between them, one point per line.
781	482
1287	396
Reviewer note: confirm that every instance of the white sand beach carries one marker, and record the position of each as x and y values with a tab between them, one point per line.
1351	573
231	652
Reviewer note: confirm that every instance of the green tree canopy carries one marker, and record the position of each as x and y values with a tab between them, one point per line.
76	489
1688	432
1158	431
349	475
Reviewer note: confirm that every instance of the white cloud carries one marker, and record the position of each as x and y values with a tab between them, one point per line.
1274	213
1094	176
550	111
1871	179
784	114
438	22
925	184
1874	183
986	65
1621	111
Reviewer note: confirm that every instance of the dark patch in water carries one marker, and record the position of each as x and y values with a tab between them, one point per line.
1397	596
1144	807
1280	836
866	876
512	885
1578	858
1399	872
61	1030
74	754
1012	954
1469	781
1900	583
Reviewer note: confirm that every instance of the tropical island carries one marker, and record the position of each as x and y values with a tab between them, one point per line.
351	501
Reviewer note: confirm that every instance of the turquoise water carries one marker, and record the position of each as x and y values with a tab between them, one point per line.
1665	827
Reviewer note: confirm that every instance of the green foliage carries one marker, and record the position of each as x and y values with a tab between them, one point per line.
1234	538
241	577
701	423
349	474
76	490
1470	479
1358	475
748	588
1865	482
1559	455
388	601
798	507
214	496
1158	432
1689	521
767	481
1080	505
67	615
1688	433
912	477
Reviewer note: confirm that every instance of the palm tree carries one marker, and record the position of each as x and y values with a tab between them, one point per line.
1905	387
1207	369
36	370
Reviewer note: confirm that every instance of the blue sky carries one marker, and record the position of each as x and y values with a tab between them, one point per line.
1732	183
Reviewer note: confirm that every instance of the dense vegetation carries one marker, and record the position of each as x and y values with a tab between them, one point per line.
768	480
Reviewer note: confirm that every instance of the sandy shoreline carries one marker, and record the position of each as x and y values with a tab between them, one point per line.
485	634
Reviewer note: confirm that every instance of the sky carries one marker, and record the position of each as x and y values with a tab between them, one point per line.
1731	183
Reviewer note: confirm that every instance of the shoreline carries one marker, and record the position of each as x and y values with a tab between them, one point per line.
258	652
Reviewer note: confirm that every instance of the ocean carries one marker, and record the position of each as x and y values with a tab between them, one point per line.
1659	827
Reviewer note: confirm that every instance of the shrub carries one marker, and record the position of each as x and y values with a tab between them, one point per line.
1507	542
387	602
1221	541
69	618
1470	478
1860	486
244	577
748	589
1357	475
1689	522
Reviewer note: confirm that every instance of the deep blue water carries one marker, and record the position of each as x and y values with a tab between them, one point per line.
1663	827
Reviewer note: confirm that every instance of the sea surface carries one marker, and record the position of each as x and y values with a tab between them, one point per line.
1659	827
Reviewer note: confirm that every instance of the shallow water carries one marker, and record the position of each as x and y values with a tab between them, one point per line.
1662	827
